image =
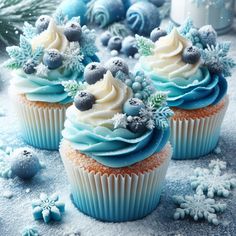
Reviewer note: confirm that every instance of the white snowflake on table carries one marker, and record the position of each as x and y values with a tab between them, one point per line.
42	70
198	207
212	181
119	121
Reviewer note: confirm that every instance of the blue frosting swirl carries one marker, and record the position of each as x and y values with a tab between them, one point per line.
198	91
114	148
48	89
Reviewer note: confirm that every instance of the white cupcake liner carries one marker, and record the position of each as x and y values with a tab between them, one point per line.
115	198
193	138
41	126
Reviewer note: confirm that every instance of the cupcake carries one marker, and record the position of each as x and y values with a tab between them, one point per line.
51	56
115	147
191	66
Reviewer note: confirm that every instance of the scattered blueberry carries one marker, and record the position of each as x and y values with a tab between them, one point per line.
84	100
94	72
52	59
158	3
208	35
157	33
105	37
129	46
24	163
191	55
73	31
136	125
133	106
42	23
116	64
115	43
29	67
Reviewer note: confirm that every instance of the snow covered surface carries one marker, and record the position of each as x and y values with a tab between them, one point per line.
16	211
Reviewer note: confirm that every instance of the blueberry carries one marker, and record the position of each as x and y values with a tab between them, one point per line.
191	55
208	35
24	163
116	64
157	33
115	43
136	125
94	72
29	67
84	100
52	59
129	46
105	37
158	3
42	23
133	106
73	31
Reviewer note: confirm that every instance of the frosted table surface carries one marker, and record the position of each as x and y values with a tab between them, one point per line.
16	213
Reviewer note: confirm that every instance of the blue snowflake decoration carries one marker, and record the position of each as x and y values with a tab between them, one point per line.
212	182
217	60
72	87
30	231
29	31
20	55
145	45
48	208
198	207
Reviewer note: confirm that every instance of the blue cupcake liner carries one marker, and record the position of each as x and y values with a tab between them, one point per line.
194	138
41	126
115	198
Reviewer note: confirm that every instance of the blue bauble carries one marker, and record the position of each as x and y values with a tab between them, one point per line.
142	17
129	46
24	163
73	8
105	12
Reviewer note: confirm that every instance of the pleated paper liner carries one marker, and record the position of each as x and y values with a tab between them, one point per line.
115	195
196	133
41	123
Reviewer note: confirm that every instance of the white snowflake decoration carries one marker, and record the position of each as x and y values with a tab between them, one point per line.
212	181
119	121
42	70
198	207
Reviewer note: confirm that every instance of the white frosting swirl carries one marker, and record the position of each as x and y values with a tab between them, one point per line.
110	95
167	59
53	37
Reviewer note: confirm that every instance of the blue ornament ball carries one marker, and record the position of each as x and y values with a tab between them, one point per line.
24	163
73	8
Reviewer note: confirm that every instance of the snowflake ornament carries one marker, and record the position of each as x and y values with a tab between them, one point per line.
72	87
42	70
73	58
119	121
145	45
198	207
212	181
217	60
48	208
30	231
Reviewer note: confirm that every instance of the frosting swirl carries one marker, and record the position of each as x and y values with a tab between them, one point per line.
52	38
42	89
198	91
110	94
167	59
114	148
